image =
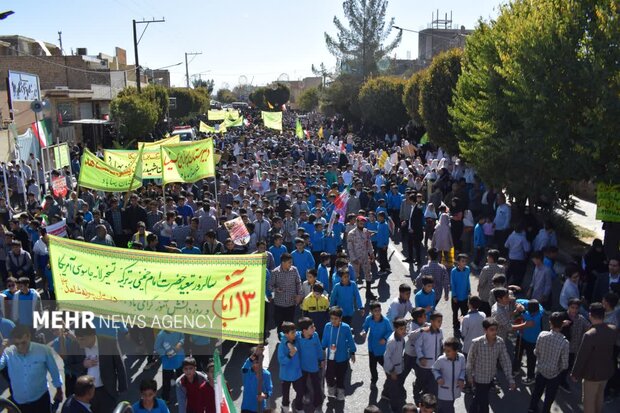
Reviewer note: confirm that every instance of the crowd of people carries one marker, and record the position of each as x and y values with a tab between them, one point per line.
324	211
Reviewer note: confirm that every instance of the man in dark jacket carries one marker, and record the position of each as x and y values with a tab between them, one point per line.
100	358
84	393
605	282
594	362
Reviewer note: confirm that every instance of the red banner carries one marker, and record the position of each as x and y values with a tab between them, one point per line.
59	187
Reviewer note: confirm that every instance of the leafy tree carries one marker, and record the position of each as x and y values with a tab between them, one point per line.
538	101
135	114
276	95
189	102
361	46
411	97
341	97
309	99
381	102
154	93
205	84
225	96
436	89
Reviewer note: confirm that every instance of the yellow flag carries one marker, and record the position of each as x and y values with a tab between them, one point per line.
188	161
320	132
272	120
155	145
382	159
270	105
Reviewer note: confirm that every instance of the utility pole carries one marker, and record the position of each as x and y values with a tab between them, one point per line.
187	65
60	41
136	41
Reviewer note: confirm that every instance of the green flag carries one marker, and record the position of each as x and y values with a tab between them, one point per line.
272	120
188	162
299	131
98	175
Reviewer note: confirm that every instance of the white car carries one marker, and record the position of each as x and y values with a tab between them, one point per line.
187	133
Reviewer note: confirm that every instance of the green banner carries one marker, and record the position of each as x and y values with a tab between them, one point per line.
608	202
215	296
122	159
272	120
188	162
61	155
98	175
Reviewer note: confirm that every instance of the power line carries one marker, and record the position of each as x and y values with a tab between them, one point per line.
22	53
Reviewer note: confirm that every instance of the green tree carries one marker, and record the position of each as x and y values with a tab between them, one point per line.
436	90
225	96
411	97
341	97
381	102
361	46
154	93
538	102
277	95
135	114
204	84
309	99
190	102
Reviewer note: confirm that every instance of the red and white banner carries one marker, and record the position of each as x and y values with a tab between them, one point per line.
59	187
58	229
237	230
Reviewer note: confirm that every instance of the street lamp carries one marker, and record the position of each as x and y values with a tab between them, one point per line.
6	14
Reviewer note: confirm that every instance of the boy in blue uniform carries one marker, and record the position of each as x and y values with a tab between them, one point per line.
340	346
322	273
461	289
312	359
290	367
425	298
317	239
526	339
380	331
169	346
382	241
277	249
302	258
250	370
347	296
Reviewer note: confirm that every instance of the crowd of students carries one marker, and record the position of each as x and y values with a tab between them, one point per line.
324	212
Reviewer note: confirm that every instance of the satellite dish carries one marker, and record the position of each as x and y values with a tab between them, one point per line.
243	80
283	77
383	64
36	106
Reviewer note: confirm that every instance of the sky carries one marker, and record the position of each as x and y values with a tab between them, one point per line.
258	40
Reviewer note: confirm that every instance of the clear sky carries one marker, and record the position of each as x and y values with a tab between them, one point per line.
258	39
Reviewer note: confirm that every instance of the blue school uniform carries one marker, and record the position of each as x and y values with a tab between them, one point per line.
346	297
322	275
382	236
311	352
303	261
423	300
250	387
343	339
379	330
290	367
277	254
317	240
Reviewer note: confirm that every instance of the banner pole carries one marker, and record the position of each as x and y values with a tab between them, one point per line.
6	185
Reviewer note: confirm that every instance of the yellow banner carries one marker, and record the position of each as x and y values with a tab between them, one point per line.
98	175
121	159
608	202
188	162
272	120
216	296
157	144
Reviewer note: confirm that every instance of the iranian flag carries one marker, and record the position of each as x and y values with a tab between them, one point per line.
223	401
42	132
340	203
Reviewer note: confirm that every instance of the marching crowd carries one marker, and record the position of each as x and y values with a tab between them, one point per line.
324	212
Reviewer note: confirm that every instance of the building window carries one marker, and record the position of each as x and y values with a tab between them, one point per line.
65	111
